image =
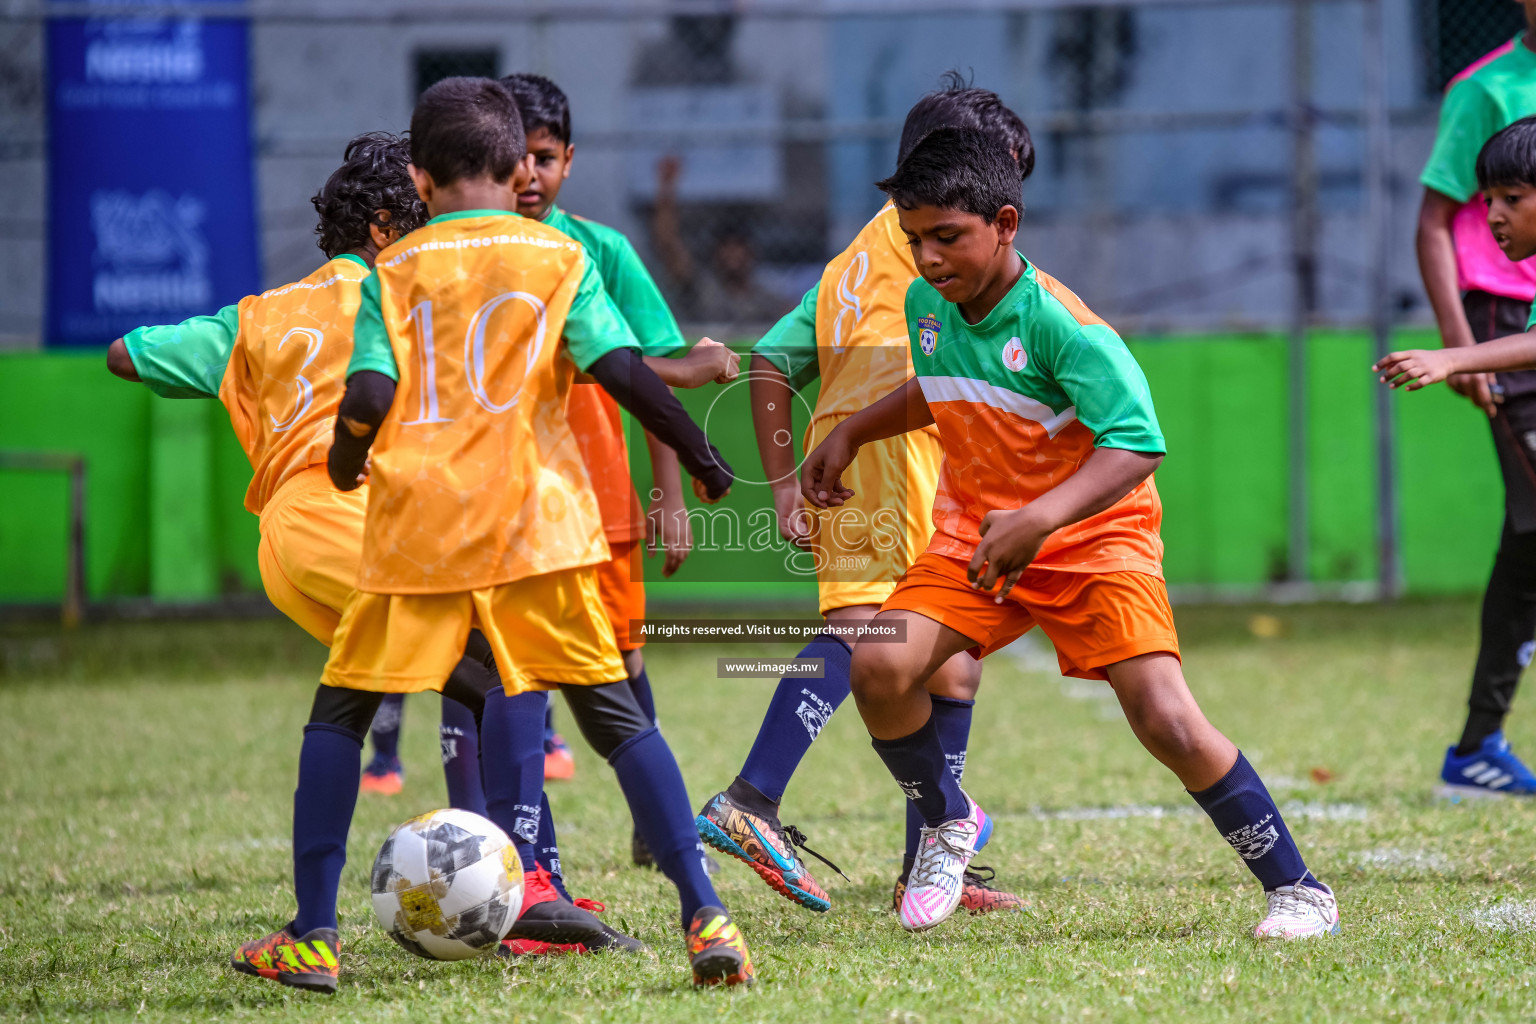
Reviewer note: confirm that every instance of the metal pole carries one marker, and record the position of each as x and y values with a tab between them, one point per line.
74	587
1304	281
1378	225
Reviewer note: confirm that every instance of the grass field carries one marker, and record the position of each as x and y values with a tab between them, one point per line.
147	772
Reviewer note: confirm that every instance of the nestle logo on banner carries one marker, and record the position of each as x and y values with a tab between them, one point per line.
151	253
143	53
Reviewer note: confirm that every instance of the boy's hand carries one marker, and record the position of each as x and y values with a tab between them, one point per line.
709	361
821	478
701	491
794	517
1009	542
1476	388
1415	368
667	530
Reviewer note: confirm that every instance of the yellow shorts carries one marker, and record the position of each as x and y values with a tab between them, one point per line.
862	547
311	544
544	630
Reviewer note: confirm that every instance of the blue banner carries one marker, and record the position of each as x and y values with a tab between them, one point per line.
151	204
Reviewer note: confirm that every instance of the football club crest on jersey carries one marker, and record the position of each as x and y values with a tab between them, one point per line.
1014	356
928	334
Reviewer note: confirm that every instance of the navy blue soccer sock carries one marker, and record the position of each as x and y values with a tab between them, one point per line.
658	801
513	766
460	740
952	718
547	850
329	763
918	765
640	685
1246	816
385	730
549	723
800	708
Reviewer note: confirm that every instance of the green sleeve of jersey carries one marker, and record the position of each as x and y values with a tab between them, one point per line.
370	340
639	302
185	360
1468	118
1531	323
594	326
1105	383
790	344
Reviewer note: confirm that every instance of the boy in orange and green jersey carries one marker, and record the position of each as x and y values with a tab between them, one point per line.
481	513
1045	515
850	330
277	362
598	425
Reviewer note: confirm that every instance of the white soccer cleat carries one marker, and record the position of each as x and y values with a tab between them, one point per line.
1299	912
937	880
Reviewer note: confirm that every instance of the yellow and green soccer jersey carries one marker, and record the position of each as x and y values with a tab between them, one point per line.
593	413
483	317
851	329
1021	400
275	360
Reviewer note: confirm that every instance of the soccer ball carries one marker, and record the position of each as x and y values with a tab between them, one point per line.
447	885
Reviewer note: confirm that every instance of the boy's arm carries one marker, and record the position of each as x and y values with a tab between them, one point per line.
1418	368
1468	118
601	344
185	360
1010	539
705	362
666	519
784	361
821	478
371	377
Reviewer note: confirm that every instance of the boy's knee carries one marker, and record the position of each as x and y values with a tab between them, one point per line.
877	673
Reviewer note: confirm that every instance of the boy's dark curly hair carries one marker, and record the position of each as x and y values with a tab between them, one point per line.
372	177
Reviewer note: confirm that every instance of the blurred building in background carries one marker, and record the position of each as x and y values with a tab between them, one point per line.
1165	187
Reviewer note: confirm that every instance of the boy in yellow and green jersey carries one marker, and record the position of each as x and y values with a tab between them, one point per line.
467	342
1045	514
277	361
598	425
850	330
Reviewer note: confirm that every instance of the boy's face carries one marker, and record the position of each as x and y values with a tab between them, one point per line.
957	252
1512	218
551	161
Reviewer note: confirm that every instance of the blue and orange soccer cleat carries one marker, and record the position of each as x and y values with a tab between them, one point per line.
716	949
558	761
1490	770
765	846
311	962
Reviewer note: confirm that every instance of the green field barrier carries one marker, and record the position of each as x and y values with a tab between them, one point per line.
166	479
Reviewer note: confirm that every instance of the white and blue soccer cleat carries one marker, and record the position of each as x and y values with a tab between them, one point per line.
1299	912
1490	770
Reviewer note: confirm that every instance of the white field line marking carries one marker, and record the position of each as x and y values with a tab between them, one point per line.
1391	857
1508	916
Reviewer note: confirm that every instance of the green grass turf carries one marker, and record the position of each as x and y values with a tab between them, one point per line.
146	772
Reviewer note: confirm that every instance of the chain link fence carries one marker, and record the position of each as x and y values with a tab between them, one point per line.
737	145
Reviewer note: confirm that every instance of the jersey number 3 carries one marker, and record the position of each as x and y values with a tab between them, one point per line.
312	339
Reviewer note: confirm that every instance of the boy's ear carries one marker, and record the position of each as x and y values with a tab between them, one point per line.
1007	224
423	182
570	151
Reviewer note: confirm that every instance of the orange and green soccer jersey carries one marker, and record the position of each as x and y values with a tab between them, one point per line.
483	317
277	361
594	415
1021	400
851	331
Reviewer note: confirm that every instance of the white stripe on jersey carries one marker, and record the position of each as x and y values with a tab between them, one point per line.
980	392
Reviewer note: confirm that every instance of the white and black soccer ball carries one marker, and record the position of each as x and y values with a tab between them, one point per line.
447	885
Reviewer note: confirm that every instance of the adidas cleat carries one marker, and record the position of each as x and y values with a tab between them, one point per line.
312	962
1299	912
1490	770
765	846
716	950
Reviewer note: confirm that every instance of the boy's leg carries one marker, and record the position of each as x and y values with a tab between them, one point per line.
460	741
1165	718
384	773
305	953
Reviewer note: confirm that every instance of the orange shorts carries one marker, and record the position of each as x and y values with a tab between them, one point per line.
1094	619
621	581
